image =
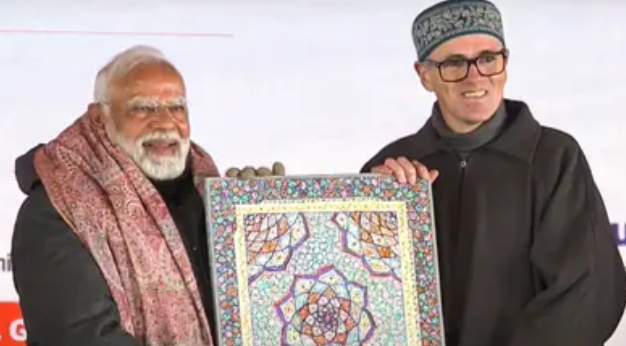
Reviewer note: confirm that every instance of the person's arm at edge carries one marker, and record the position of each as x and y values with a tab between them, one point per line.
63	295
577	259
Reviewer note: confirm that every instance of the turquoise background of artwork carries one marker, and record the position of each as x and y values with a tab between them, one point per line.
322	249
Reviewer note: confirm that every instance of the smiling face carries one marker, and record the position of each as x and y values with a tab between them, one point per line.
466	102
148	119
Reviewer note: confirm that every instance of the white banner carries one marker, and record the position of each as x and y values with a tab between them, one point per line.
318	85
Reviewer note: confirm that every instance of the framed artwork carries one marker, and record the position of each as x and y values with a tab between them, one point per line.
324	261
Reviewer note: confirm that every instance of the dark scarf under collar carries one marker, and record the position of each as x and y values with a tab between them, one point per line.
466	142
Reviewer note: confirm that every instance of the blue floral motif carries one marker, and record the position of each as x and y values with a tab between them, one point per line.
449	19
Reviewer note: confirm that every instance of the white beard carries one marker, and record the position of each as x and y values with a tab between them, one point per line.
155	167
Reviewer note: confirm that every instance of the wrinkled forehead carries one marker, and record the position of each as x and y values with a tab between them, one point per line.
157	83
467	46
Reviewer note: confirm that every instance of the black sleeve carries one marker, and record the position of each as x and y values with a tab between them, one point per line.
578	262
64	298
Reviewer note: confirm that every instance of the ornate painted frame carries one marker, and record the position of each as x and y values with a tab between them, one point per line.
233	203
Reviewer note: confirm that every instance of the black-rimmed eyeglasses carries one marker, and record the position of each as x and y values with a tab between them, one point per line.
457	69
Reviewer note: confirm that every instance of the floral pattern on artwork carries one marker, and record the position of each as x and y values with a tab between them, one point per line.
372	238
271	241
325	309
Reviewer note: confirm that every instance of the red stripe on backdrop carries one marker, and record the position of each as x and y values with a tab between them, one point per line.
12	331
114	33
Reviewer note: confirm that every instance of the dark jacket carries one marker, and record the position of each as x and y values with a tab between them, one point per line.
64	297
526	253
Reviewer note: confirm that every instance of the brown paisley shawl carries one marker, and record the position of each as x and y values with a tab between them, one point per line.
121	218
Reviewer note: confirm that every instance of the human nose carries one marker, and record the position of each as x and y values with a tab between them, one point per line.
163	120
473	72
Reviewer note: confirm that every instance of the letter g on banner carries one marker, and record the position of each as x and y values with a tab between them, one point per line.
12	331
17	330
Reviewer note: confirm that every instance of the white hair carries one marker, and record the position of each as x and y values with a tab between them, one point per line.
120	66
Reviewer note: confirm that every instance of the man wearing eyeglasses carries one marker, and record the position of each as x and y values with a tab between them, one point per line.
525	249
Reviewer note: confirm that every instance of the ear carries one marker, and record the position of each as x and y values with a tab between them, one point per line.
424	76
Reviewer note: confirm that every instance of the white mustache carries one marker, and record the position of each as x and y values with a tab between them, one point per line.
161	136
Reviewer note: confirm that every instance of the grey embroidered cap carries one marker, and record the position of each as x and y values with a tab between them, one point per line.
452	18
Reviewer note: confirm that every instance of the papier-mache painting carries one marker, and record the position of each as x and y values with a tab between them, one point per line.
324	261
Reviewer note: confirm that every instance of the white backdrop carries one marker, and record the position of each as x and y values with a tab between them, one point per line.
319	85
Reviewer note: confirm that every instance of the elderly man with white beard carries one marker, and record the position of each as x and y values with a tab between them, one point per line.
109	247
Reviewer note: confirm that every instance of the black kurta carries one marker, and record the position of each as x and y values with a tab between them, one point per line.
64	297
526	253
